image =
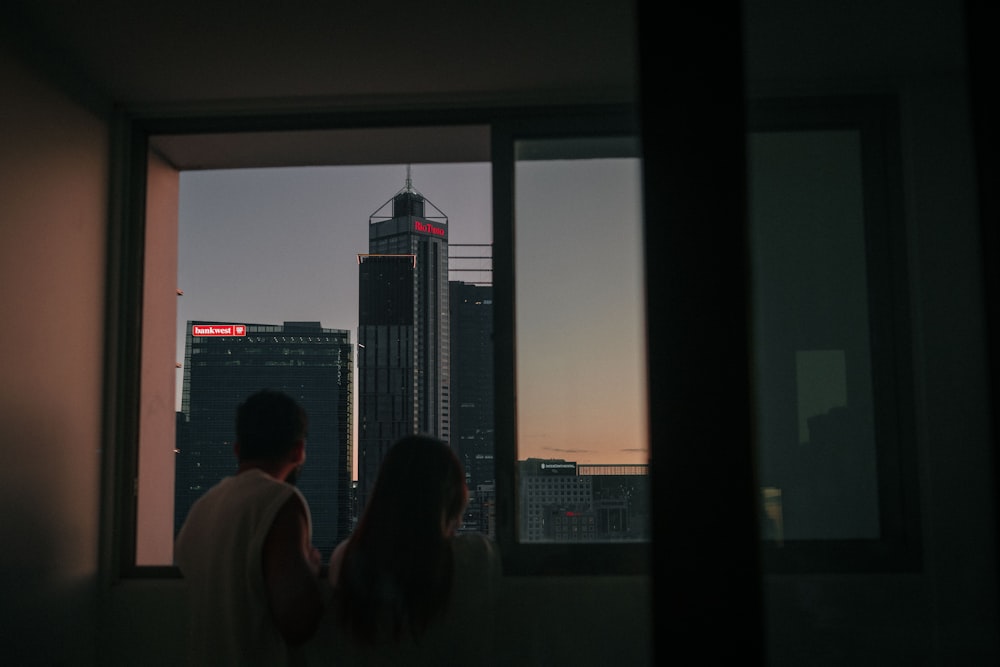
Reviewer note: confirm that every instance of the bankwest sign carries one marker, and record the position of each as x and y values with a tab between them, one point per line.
219	330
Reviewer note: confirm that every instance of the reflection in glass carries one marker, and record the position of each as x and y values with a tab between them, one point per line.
816	432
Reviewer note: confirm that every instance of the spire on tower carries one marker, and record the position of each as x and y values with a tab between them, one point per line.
409	181
407	201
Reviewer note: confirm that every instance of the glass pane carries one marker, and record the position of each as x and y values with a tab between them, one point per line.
816	429
581	407
271	272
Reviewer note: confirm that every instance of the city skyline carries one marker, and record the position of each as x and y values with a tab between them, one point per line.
276	245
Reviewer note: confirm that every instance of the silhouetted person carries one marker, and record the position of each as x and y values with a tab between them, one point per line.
246	546
407	589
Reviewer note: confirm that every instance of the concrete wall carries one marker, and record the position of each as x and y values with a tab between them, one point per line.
540	622
53	212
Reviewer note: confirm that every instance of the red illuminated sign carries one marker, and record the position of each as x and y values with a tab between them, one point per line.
427	228
219	330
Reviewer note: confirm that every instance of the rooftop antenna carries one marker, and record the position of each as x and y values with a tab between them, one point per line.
380	213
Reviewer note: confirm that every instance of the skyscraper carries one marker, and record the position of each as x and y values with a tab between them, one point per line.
225	363
403	330
473	395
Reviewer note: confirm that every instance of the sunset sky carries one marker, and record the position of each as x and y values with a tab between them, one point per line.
274	245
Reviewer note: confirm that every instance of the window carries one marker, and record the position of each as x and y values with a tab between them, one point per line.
580	363
149	439
571	411
837	489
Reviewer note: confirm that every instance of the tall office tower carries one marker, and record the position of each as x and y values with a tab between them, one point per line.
225	363
472	392
403	332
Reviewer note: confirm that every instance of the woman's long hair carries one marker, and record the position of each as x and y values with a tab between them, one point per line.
397	568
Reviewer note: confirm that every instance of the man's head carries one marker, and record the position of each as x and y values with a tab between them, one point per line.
270	426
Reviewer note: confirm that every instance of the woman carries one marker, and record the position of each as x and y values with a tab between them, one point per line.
406	587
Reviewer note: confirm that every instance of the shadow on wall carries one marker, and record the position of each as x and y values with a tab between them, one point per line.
48	604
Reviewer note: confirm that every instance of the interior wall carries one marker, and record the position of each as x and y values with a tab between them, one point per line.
951	382
541	621
575	621
53	212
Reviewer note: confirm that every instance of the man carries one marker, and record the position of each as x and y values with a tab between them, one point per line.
246	546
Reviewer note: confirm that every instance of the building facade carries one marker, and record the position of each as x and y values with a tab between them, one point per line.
225	363
561	501
472	393
403	330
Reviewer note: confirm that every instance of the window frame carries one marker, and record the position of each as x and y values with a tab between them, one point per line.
131	145
571	558
898	549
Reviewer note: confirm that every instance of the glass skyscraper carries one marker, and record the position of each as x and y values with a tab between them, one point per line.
225	363
472	416
403	330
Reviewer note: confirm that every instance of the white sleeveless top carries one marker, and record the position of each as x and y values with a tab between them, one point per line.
218	551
